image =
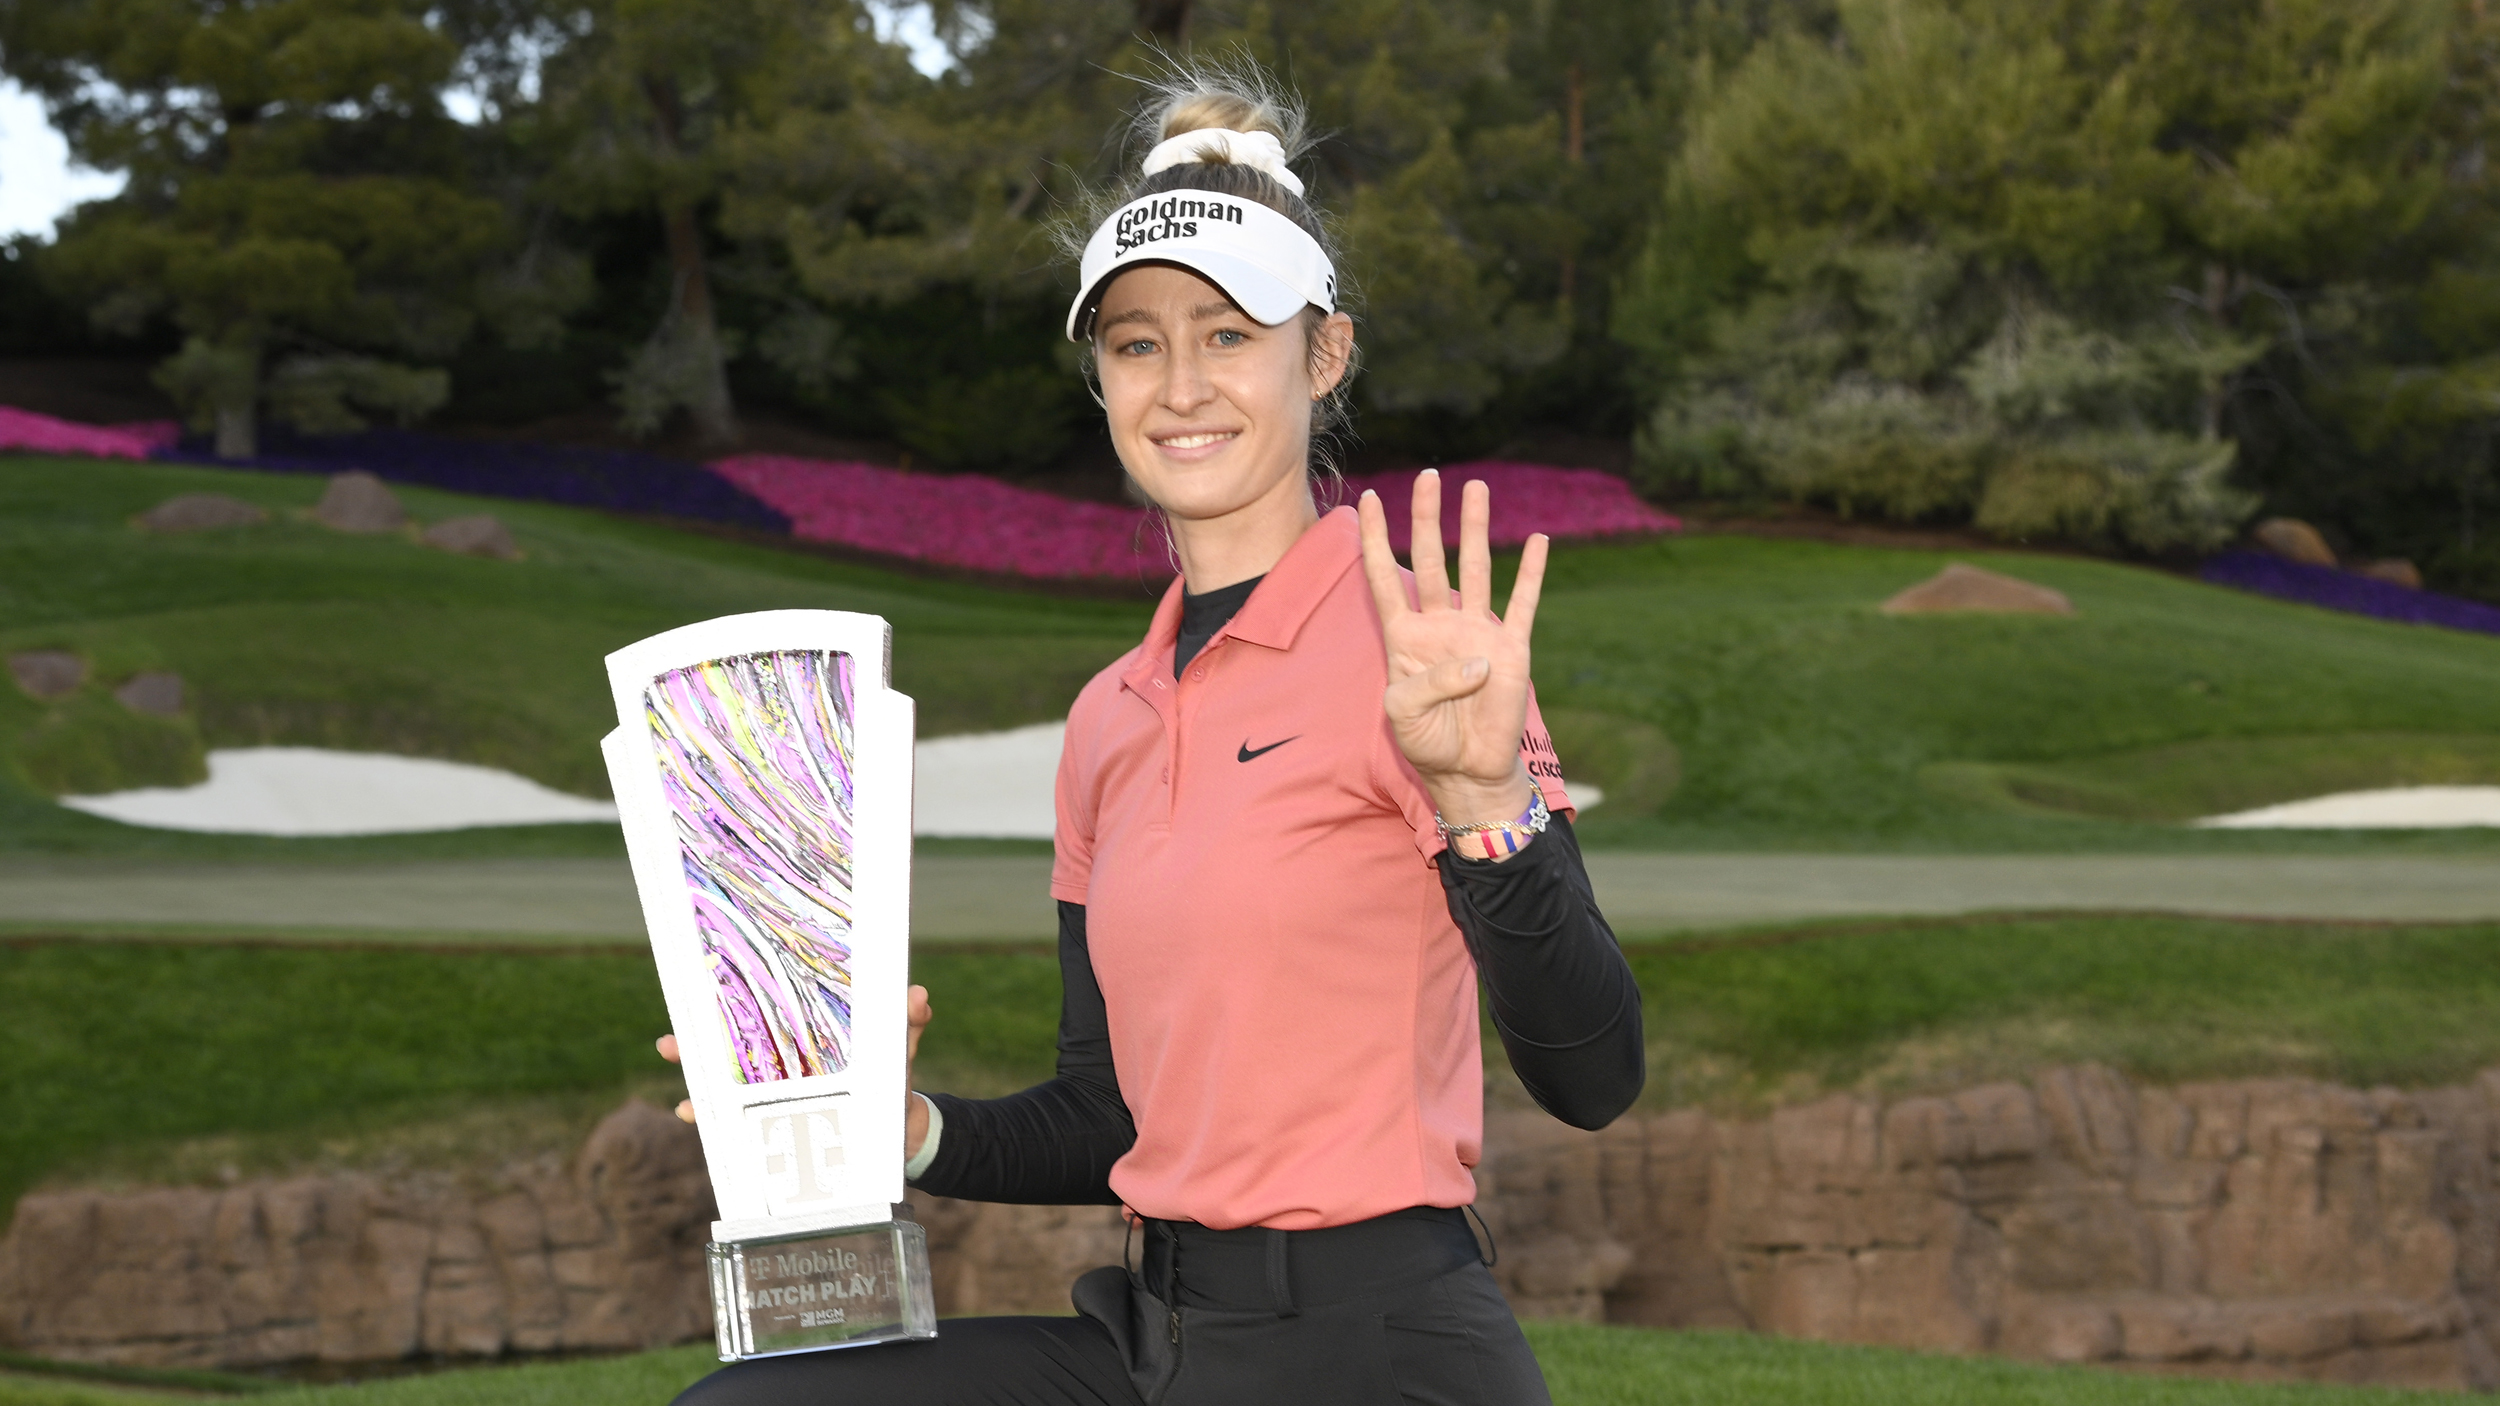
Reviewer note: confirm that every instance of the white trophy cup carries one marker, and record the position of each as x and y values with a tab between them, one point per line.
763	767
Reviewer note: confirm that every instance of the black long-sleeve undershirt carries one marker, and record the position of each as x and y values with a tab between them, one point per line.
1563	1001
1052	1144
1562	997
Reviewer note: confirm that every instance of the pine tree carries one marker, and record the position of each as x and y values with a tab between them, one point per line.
296	200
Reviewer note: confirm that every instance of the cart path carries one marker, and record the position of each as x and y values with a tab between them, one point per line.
984	897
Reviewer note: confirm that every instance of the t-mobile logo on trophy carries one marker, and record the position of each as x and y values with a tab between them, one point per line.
763	769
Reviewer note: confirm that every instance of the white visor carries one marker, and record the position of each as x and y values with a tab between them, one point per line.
1263	261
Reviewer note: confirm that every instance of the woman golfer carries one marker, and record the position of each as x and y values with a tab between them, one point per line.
1296	824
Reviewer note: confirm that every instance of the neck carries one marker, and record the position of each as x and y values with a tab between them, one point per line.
1222	551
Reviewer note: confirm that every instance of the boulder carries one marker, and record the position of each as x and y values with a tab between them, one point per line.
356	501
2395	571
1960	587
199	512
156	693
2293	540
478	535
48	673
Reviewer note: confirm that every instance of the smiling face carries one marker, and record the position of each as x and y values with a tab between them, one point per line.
1211	411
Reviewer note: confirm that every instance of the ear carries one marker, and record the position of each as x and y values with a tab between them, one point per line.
1332	353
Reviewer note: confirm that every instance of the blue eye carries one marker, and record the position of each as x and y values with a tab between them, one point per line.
1230	337
1137	348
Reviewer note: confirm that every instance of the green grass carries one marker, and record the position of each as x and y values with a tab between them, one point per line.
1933	1004
1732	693
1585	1364
155	1061
291	633
184	1061
1807	719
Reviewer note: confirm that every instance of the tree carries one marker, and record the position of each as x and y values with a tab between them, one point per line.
296	200
2018	262
653	105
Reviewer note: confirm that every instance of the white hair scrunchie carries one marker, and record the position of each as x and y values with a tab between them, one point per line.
1260	151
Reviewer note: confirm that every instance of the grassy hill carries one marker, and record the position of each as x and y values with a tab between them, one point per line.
1728	692
291	633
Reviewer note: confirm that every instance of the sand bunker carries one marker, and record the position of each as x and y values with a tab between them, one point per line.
312	791
2396	808
998	785
991	785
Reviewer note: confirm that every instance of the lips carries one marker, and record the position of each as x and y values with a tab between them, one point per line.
1197	439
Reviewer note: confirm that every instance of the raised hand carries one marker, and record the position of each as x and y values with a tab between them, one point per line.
1458	674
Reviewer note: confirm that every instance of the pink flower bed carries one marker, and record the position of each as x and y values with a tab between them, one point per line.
1527	499
982	524
42	434
965	520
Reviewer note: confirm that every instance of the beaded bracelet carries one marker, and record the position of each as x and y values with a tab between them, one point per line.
1530	824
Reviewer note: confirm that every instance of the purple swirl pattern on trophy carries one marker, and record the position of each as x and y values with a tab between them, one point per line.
755	758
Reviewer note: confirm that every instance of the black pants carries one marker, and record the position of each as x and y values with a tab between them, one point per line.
1394	1310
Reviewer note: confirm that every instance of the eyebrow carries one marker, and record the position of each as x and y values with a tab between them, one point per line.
1197	314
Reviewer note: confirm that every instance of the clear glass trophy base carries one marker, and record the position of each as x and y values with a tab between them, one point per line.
821	1289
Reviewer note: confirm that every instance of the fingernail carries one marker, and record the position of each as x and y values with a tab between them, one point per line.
1476	668
1368	493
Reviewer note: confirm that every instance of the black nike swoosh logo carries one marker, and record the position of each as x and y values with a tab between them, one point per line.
1247	754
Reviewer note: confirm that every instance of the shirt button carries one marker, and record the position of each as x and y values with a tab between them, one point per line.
1197	673
1158	683
1167	773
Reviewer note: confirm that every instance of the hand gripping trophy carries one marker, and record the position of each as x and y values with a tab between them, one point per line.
764	771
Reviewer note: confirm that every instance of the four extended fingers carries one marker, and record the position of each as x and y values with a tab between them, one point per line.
1475	557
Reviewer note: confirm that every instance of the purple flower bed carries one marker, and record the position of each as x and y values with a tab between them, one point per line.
984	525
2341	590
619	480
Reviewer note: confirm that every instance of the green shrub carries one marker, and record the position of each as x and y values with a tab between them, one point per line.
88	744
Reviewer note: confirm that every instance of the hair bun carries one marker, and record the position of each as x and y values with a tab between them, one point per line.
1209	106
1260	151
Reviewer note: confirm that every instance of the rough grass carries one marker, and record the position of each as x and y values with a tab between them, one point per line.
1735	692
1737	1023
1585	1364
193	1061
190	1062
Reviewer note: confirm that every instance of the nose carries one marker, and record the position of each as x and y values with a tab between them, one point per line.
1185	383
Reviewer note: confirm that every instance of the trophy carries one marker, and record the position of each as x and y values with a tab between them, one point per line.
763	769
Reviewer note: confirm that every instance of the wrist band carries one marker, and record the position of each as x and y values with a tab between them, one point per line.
1514	833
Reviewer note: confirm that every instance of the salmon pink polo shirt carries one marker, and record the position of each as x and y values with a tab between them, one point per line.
1292	1010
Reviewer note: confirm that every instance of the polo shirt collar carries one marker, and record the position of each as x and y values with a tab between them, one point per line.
1277	610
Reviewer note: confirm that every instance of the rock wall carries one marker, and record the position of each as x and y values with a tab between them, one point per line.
2255	1229
603	1252
2268	1229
